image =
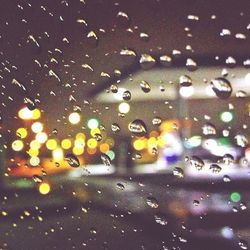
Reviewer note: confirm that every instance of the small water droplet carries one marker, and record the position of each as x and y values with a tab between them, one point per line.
196	162
138	127
152	202
243	244
120	186
145	86
178	172
185	81
72	160
106	160
161	219
241	140
215	168
126	95
221	87
115	128
228	159
37	178
157	121
191	64
147	61
208	129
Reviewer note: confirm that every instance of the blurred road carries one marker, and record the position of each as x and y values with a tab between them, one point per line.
90	212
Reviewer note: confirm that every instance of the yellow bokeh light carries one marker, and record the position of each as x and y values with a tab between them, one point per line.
51	144
139	144
104	147
92	143
160	141
35	144
152	142
33	152
22	132
37	127
66	144
44	188
36	114
79	143
25	113
17	145
78	151
74	118
41	137
81	136
95	131
57	154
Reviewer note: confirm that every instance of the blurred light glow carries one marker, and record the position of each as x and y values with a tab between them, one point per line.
34	161
194	141
37	127
17	145
111	155
91	151
140	144
25	113
81	136
92	143
33	152
36	114
44	188
226	116
78	151
104	147
22	132
41	137
95	131
35	144
186	91
66	144
235	197
74	118
93	123
124	107
57	154
119	95
51	144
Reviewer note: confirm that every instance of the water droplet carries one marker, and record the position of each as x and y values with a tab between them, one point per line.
120	186
147	61
144	36
243	244
115	128
123	18
145	86
166	60
241	140
196	203
98	137
208	129
228	159
37	178
106	160
241	94
226	178
230	61
243	206
152	202
30	103
157	121
191	65
72	160
92	39
178	172
161	219
127	52
137	127
221	87
93	230
185	81
126	95
114	88
215	168
196	162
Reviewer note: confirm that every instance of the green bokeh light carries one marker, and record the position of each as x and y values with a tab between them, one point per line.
235	197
